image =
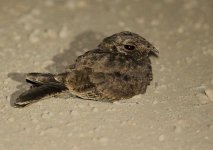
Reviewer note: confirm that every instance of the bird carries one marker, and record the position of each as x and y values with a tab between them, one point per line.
119	68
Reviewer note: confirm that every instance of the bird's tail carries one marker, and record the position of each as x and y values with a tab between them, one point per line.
43	85
37	93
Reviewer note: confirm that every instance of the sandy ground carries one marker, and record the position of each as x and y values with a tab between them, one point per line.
176	113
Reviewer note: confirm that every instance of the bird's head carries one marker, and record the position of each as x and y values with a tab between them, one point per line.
128	43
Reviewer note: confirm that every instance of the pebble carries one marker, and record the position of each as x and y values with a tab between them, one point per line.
200	89
188	60
190	5
49	33
121	24
75	148
140	20
103	140
36	12
75	113
11	119
169	1
63	33
81	105
209	94
82	135
180	30
82	4
111	109
35	120
208	52
27	26
37	127
33	38
50	130
162	68
155	22
49	3
161	138
94	109
154	102
70	134
17	37
202	98
159	88
46	114
177	129
71	4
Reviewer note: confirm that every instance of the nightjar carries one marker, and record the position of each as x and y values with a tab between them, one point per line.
118	68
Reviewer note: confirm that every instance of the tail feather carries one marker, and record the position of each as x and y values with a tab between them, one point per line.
40	78
37	93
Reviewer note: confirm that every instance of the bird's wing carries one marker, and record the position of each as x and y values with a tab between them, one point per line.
106	62
116	76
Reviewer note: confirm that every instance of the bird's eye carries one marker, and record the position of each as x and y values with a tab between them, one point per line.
129	47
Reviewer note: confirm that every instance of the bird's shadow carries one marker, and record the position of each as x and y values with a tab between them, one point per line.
81	43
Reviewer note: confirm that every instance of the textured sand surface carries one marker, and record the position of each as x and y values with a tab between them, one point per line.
176	113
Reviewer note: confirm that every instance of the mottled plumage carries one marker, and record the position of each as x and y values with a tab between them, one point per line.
118	69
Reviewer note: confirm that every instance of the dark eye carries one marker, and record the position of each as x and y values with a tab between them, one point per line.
129	47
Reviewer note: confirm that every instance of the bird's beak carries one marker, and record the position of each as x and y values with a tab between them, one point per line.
154	50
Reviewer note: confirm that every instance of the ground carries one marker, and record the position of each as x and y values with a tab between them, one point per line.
176	113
